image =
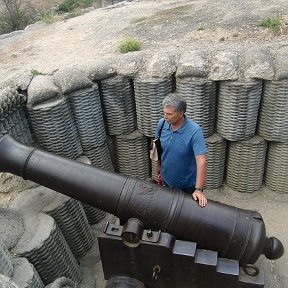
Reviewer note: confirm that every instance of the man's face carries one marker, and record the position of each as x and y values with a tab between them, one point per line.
171	116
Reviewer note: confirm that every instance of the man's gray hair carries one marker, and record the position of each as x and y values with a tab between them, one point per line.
175	101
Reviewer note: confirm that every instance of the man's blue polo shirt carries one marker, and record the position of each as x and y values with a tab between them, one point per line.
178	163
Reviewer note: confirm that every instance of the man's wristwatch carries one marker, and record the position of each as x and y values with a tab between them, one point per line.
199	189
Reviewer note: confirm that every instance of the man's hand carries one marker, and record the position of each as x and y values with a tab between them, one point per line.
198	195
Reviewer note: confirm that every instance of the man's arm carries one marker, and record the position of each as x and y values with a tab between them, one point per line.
200	177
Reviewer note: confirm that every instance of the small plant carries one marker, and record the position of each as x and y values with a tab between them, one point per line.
48	17
36	72
222	39
200	27
67	6
272	23
87	3
72	14
129	44
235	35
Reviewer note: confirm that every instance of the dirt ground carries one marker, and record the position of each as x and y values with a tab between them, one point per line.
162	25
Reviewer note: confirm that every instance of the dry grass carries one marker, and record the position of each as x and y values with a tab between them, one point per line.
40	10
40	5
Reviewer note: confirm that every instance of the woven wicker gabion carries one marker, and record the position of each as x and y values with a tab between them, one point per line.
276	176
273	116
93	214
25	275
55	128
48	251
71	219
200	96
245	164
100	157
118	105
87	112
238	107
13	118
215	161
6	266
132	155
149	94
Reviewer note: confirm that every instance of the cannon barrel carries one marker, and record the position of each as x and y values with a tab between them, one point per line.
234	233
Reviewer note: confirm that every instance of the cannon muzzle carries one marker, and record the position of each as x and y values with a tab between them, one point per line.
234	233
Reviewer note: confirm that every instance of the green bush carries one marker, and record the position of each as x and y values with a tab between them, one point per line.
47	17
200	27
72	14
129	44
272	23
35	72
15	15
68	6
87	3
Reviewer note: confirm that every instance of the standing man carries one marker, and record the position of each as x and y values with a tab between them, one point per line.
183	160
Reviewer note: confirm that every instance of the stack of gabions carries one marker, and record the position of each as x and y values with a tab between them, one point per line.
200	95
51	119
273	126
233	95
55	235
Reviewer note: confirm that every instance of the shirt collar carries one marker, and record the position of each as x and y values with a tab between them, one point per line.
181	128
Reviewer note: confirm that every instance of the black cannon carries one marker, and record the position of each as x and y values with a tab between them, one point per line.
234	233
